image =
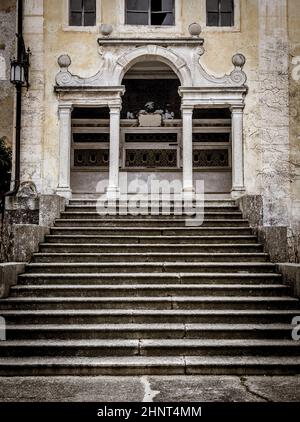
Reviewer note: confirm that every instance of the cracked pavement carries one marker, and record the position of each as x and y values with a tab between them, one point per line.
151	389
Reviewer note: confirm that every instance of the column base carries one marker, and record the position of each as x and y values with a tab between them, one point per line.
188	193
236	193
113	192
65	192
188	189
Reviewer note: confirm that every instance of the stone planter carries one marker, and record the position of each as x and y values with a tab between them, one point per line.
150	120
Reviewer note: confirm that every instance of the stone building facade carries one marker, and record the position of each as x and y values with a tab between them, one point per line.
234	92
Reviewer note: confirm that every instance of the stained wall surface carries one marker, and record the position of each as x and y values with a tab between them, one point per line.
7	51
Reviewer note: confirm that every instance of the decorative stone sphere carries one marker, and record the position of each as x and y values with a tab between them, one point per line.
195	29
64	60
106	29
238	60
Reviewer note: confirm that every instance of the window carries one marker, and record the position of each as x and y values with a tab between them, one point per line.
150	12
82	12
220	12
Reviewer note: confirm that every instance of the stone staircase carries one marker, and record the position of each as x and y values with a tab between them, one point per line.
125	295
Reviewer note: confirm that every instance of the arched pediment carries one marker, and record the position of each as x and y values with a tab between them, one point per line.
154	53
185	61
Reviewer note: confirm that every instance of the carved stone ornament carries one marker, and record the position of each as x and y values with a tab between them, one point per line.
27	189
106	29
118	56
195	29
66	78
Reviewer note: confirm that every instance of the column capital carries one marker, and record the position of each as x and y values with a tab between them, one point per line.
68	108
187	109
115	108
237	108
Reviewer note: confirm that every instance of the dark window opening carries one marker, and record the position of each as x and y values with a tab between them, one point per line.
163	92
150	12
82	13
90	137
90	113
212	113
220	12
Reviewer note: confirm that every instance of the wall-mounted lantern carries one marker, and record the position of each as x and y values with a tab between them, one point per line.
19	68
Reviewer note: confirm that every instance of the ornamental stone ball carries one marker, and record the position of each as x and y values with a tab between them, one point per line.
64	60
238	60
195	29
106	29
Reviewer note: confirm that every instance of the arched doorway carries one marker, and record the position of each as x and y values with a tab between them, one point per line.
158	148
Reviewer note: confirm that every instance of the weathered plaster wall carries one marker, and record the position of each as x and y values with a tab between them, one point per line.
32	137
7	51
274	110
294	130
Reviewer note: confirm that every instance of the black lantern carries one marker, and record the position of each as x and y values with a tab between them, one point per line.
17	72
19	69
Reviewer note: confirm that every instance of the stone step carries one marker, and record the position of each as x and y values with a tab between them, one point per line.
211	232
168	215
152	290
131	239
151	267
69	256
157	208
148	347
149	331
113	316
164	294
92	202
151	365
105	246
150	303
144	222
119	279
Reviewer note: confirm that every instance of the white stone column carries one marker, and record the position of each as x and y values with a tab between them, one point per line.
114	152
64	188
187	149
238	185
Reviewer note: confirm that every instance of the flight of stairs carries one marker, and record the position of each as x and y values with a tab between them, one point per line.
125	295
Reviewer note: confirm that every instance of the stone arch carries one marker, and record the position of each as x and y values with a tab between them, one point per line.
154	53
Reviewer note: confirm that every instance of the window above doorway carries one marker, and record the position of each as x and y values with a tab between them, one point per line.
82	12
150	12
